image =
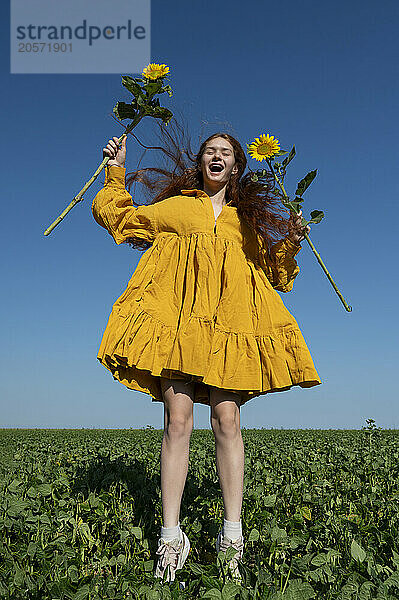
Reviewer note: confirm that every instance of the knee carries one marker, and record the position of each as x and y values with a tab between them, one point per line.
179	426
226	426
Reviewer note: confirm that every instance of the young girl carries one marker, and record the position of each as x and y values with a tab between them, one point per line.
200	319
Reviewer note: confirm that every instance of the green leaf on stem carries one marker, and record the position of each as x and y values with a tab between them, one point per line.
281	153
168	89
305	182
289	158
141	101
153	87
213	594
317	216
254	535
124	111
130	84
357	551
160	112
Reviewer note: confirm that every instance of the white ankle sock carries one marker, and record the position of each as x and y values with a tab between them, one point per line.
171	533
232	529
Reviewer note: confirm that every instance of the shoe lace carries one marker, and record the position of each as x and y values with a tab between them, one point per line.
168	553
238	545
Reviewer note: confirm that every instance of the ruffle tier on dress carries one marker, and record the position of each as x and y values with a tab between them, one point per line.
202	303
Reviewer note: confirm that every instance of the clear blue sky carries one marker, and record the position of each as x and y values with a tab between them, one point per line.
322	75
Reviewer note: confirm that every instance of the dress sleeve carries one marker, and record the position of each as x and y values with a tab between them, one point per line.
113	209
283	274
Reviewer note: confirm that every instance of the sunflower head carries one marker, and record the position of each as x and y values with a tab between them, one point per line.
265	146
154	71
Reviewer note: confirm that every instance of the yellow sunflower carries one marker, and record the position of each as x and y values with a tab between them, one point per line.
155	71
263	147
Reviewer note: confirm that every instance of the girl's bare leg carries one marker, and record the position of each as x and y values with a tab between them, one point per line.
225	423
178	424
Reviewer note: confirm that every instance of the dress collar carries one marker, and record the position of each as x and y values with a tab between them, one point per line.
199	193
194	192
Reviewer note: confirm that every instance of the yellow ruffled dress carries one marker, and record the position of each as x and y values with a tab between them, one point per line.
199	305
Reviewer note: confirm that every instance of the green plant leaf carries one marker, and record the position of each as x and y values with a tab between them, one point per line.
167	89
124	111
317	216
130	84
230	590
289	158
160	112
270	501
230	553
305	182
82	593
16	507
393	580
73	573
299	590
278	534
213	594
13	487
148	566
32	548
357	551
306	513
44	489
153	87
253	536
137	532
196	569
319	560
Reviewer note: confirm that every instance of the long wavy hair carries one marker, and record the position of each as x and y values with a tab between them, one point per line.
256	203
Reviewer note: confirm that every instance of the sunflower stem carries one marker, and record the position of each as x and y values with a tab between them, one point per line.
100	167
348	308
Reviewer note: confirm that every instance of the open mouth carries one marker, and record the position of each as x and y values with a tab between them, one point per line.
216	168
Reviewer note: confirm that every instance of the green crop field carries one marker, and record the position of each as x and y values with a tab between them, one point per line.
80	514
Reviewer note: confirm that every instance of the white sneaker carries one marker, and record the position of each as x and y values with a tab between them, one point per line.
172	556
222	543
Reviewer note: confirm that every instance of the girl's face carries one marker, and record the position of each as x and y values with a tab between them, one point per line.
218	162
